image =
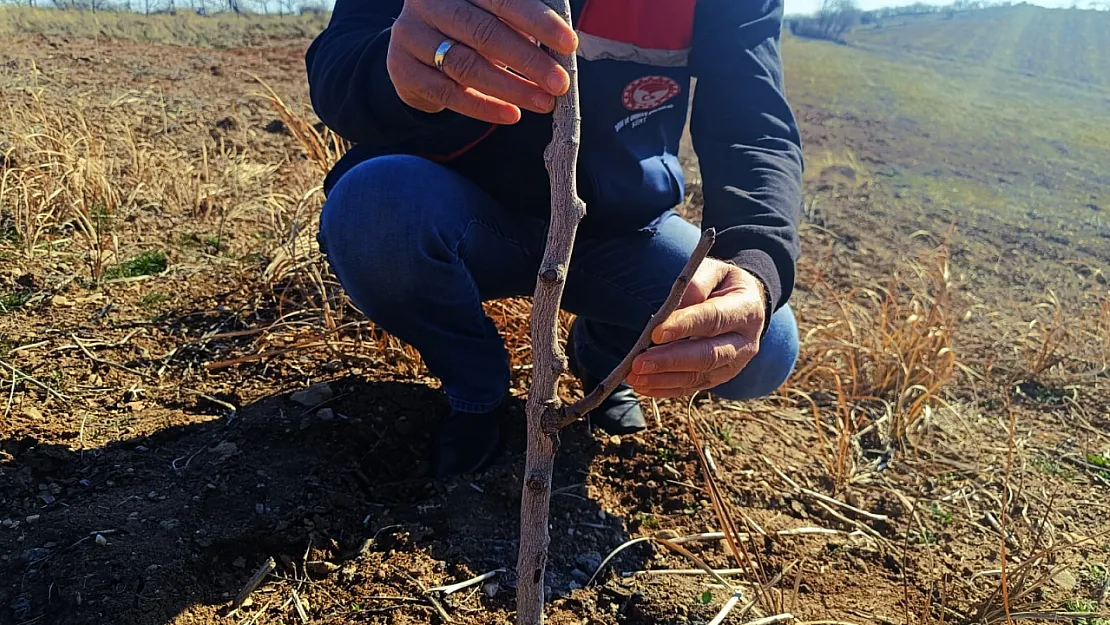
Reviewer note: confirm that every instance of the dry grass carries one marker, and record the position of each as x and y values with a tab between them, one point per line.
186	29
878	359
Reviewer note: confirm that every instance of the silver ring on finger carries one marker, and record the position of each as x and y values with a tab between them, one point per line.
441	53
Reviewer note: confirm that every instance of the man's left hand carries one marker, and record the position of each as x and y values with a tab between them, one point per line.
709	339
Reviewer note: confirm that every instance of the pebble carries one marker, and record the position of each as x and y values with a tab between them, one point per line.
34	554
1065	579
33	518
321	567
580	576
314	395
226	449
47	498
490	589
100	540
325	414
169	524
588	561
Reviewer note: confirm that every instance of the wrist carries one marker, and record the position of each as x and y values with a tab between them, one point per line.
753	284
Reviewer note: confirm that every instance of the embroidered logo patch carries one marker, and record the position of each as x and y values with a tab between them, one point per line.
649	92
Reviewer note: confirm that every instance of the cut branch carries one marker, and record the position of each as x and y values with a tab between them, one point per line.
567	209
546	414
583	406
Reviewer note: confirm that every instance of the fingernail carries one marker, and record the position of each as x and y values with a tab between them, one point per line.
668	336
557	81
543	102
510	117
647	367
568	42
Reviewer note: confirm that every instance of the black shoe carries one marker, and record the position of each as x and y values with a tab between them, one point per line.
467	442
620	413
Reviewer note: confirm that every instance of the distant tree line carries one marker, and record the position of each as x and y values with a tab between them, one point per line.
832	21
835	18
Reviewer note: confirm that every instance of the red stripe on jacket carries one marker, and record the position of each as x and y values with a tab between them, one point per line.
655	24
443	158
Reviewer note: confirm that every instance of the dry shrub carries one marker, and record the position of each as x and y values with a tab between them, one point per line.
1044	341
61	179
1099	332
886	352
72	172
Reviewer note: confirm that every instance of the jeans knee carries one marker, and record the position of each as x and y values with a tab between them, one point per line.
772	366
365	205
370	228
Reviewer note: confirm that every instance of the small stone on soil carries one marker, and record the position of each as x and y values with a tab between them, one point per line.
100	540
33	518
239	562
34	554
313	396
226	449
325	414
321	567
588	561
1065	580
491	589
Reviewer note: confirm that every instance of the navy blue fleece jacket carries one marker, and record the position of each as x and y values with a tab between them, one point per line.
637	62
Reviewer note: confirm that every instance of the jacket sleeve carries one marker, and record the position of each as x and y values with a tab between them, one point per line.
348	82
747	141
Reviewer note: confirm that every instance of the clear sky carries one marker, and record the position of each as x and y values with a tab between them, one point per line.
809	6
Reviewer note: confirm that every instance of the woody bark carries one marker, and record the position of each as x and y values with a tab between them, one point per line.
567	209
546	414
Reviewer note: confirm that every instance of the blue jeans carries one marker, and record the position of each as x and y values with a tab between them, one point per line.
418	247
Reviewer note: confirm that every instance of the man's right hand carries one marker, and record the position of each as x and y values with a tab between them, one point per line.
492	36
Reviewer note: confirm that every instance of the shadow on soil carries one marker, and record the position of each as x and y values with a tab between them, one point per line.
190	512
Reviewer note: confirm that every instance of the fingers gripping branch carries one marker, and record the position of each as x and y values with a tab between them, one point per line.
577	410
